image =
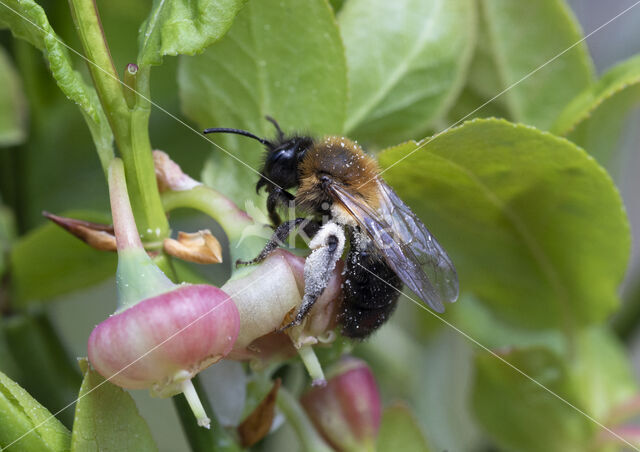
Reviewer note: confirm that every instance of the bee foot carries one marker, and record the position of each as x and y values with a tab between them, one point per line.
289	325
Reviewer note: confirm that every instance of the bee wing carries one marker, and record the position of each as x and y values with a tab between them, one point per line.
413	233
394	242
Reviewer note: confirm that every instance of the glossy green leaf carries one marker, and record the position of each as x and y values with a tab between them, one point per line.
518	47
407	62
594	119
107	419
400	431
58	261
12	104
184	27
27	20
521	415
274	61
21	414
535	227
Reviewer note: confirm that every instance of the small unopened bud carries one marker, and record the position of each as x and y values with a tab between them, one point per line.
200	247
347	411
169	174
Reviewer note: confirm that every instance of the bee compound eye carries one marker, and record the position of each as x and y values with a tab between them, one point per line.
325	205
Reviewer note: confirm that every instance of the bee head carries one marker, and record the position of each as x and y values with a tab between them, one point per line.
282	158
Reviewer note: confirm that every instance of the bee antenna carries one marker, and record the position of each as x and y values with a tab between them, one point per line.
237	132
275	123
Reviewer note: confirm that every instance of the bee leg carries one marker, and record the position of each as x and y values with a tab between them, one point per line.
327	245
277	239
277	197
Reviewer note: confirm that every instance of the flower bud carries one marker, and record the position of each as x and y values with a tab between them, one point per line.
266	307
163	340
347	411
162	334
169	175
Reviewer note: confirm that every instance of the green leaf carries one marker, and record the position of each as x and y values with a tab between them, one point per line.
184	27
46	370
59	262
27	20
337	4
517	47
12	104
478	98
107	418
400	431
594	119
536	229
295	73
521	415
21	414
601	372
7	235
407	62
7	364
446	386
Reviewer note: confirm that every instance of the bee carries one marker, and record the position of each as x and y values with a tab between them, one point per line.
339	186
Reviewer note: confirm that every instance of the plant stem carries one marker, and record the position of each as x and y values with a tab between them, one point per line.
309	437
310	361
130	127
137	276
195	404
139	165
105	78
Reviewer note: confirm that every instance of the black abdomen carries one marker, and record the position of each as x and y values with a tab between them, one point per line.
371	291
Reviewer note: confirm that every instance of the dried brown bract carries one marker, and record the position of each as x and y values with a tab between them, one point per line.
200	247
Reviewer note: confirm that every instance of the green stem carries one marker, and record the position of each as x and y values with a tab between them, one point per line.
137	277
105	78
311	363
139	165
309	437
130	127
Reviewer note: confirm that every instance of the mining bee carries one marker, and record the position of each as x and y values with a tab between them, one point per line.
388	244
